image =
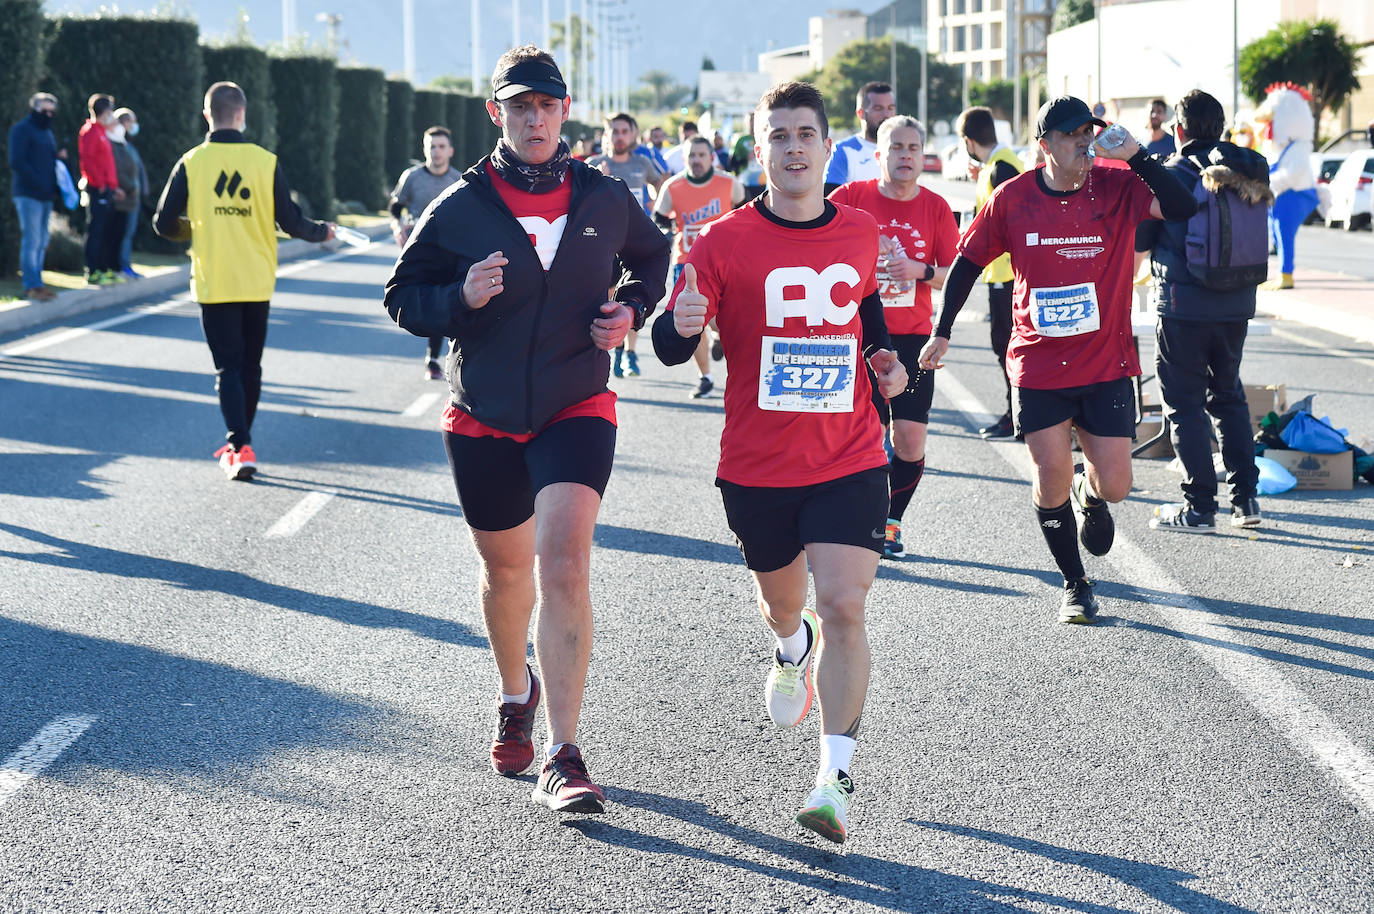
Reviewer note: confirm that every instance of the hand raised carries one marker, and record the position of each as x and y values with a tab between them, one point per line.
689	310
485	280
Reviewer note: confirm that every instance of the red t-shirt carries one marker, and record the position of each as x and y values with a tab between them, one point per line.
1072	255
543	216
797	408
925	231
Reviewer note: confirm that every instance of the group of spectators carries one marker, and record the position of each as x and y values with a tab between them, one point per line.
114	186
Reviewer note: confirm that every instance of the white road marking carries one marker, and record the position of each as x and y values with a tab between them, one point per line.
40	752
1294	716
422	404
298	516
148	310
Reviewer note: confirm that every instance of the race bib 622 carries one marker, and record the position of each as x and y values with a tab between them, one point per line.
1065	310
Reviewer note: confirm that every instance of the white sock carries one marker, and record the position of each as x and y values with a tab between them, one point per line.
707	376
523	697
793	647
836	752
553	750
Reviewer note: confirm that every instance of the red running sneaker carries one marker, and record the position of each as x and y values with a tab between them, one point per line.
246	462
512	751
565	786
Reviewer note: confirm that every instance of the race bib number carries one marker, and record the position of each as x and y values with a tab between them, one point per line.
811	375
1065	310
893	293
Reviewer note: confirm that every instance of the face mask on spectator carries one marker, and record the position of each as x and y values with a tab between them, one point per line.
115	133
44	118
132	130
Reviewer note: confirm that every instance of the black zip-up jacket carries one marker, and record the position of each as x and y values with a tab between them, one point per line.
528	354
1180	296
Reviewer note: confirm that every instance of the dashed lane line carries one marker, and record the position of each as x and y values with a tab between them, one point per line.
40	752
292	521
1294	716
422	404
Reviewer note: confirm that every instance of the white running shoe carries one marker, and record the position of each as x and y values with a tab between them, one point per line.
826	811
789	690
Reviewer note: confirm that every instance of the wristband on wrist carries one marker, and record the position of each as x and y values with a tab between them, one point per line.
930	273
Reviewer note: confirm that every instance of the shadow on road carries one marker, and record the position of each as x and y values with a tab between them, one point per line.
848	876
120	565
627	539
1159	882
162	712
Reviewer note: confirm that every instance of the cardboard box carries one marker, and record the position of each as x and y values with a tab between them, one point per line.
1264	399
1332	472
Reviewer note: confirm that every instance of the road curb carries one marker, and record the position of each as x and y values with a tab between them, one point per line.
22	314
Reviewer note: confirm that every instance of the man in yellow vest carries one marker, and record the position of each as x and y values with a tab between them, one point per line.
227	196
998	163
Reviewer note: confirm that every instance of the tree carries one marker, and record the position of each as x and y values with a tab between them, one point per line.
862	61
1312	53
661	82
997	95
452	83
707	63
570	63
1072	12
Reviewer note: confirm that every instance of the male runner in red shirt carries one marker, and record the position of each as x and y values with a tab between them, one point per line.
1070	230
917	234
802	468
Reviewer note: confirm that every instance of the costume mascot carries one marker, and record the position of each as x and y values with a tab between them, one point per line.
1286	116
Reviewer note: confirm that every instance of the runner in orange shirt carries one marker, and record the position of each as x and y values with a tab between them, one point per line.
686	203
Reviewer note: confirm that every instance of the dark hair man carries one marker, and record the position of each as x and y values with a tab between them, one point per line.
1161	142
1070	230
33	166
916	238
854	159
512	264
102	190
998	164
417	187
688	202
676	158
1201	331
229	196
802	469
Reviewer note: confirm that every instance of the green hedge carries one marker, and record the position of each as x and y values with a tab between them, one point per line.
481	134
400	125
307	124
252	70
22	37
455	116
130	58
429	112
360	150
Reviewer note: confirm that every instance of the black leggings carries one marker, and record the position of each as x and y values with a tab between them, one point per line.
237	333
999	306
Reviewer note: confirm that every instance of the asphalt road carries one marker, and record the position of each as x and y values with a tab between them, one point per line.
277	696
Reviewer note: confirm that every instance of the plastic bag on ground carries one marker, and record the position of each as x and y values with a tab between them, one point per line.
1305	432
1274	479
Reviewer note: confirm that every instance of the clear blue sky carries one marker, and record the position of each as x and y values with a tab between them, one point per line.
673	36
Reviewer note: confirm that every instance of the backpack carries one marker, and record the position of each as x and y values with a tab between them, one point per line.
1226	243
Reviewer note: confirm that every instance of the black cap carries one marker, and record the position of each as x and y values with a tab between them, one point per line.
529	76
1065	114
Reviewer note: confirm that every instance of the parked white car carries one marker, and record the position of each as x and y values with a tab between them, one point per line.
1351	192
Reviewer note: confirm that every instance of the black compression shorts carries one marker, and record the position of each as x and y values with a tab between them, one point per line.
912	404
498	478
1105	409
773	525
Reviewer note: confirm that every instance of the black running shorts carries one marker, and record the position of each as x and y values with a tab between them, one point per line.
912	404
1105	409
773	525
498	478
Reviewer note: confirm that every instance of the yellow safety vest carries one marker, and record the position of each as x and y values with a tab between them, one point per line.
233	216
1000	269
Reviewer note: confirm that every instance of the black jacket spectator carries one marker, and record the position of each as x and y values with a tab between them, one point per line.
33	160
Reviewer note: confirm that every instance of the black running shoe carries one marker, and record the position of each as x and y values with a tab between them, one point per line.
717	350
1002	428
1096	529
565	786
1245	513
704	387
1079	606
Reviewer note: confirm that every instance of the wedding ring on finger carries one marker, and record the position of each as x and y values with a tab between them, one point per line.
493	282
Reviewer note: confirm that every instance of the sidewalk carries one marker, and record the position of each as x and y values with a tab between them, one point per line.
1335	302
21	314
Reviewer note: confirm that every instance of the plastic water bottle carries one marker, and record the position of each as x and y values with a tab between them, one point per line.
1110	138
351	237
